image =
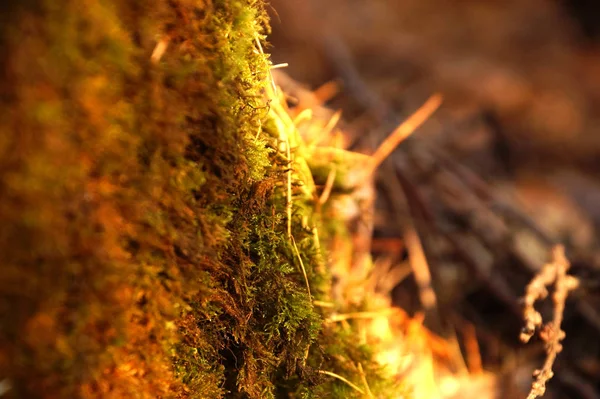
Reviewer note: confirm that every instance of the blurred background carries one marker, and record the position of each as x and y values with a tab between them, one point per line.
529	69
508	166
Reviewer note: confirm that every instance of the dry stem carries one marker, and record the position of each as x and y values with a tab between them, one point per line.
339	377
360	315
363	377
160	49
420	268
405	129
328	186
301	265
555	273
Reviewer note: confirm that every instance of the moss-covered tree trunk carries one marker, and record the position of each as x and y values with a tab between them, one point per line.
132	199
147	244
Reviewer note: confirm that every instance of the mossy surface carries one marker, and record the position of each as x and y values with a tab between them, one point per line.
144	249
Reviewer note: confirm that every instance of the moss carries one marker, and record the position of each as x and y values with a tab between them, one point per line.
144	242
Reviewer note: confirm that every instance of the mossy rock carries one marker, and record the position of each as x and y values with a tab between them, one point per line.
144	250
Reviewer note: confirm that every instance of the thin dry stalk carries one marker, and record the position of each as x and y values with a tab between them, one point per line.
326	92
405	129
360	315
420	268
555	273
339	377
323	304
320	266
326	131
160	49
289	205
331	123
304	116
279	66
261	51
363	377
301	265
328	186
472	349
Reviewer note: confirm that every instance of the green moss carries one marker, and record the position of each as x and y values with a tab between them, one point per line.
144	242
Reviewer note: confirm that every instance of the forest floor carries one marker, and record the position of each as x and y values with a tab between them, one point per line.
505	170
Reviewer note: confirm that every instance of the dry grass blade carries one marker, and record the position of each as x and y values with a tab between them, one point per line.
261	51
289	204
328	186
339	377
304	116
326	92
405	129
420	268
472	348
363	377
301	266
326	131
279	66
360	315
323	304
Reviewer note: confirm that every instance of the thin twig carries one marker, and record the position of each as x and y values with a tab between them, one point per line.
555	273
